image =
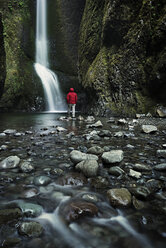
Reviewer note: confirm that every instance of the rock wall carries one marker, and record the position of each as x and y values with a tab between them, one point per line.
122	55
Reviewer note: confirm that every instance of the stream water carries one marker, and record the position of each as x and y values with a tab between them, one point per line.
53	192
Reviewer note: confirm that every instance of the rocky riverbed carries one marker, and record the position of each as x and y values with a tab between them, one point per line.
84	182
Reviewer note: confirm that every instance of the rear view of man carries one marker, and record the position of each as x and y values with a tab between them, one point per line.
71	101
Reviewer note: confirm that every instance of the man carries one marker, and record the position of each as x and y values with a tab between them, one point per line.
71	101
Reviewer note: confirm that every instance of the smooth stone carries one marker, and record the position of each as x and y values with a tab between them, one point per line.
10	162
42	180
73	179
138	204
29	193
29	209
88	167
161	111
149	128
119	134
58	196
114	156
90	197
97	150
9	215
105	133
2	135
77	156
9	131
31	229
96	124
134	174
3	147
116	171
142	167
130	146
61	129
161	153
26	166
46	190
141	192
75	210
160	167
119	197
90	119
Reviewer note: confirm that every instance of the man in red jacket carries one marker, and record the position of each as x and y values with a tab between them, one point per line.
71	101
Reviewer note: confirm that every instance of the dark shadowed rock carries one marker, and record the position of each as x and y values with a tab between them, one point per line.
73	178
9	215
31	229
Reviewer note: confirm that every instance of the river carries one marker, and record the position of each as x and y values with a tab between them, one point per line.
71	208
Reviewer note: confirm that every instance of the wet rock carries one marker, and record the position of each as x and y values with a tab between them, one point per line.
142	167
134	174
29	193
2	135
116	171
47	189
154	185
90	119
3	147
11	242
75	210
42	180
10	162
96	125
31	229
161	153
119	134
122	121
80	118
29	209
88	167
130	146
77	156
160	167
58	196
57	172
138	204
18	134
119	197
114	156
9	131
161	111
9	215
149	128
28	132
61	129
97	150
90	197
141	192
75	179
105	133
26	167
99	182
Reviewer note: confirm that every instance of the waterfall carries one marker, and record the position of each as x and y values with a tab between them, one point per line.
48	78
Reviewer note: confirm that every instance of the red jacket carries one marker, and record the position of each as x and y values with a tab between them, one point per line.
72	97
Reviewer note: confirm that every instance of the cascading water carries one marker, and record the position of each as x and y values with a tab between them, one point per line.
48	78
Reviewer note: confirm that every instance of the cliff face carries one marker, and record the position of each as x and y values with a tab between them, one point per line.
122	55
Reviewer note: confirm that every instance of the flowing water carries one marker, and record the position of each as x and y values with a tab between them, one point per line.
37	141
53	96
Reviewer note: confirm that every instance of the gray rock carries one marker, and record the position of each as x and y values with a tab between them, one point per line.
29	193
142	167
114	156
97	150
134	174
2	135
26	167
42	180
29	209
105	133
73	179
141	192
80	118
116	171
138	204
77	156
3	147
10	162
122	121
9	131
90	119
160	167
119	197
99	182
88	167
90	197
161	111
130	146
61	129
57	171
119	134
149	128
97	124
161	153
31	229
